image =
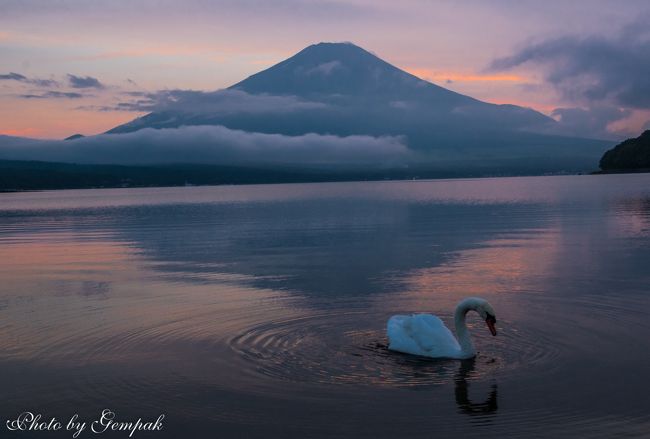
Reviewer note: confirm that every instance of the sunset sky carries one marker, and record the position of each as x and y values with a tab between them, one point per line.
65	66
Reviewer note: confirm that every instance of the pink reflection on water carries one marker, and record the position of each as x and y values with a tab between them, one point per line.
500	266
72	298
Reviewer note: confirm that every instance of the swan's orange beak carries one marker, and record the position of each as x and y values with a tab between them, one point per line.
491	321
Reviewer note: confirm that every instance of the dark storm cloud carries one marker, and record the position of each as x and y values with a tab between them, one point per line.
84	82
211	145
53	94
593	69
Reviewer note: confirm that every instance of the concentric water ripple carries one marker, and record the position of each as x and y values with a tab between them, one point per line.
339	347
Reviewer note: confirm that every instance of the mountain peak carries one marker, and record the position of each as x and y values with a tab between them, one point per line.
337	44
326	47
335	69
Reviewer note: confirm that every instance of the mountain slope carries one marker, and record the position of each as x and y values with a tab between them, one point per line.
341	89
359	94
327	69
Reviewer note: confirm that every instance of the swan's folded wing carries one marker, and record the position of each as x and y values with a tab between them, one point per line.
432	336
400	335
421	334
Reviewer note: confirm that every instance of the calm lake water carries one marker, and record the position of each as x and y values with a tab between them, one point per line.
260	311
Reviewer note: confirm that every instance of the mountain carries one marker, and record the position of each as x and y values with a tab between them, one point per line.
333	110
345	90
327	69
74	137
331	72
630	155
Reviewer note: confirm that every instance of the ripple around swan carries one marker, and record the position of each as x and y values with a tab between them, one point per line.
339	347
242	349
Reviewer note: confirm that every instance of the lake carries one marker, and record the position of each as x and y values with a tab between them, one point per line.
260	311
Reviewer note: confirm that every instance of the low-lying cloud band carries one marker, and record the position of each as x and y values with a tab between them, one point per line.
212	145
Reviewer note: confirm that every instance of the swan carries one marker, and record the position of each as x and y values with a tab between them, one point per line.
427	335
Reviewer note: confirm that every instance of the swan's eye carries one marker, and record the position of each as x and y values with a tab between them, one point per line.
491	318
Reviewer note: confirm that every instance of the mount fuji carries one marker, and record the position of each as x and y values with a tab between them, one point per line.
341	89
333	109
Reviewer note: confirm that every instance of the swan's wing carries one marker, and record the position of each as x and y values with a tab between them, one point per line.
432	335
400	337
421	334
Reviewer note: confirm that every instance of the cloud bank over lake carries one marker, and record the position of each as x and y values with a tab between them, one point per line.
212	145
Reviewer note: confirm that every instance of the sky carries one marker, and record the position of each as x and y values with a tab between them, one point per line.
65	65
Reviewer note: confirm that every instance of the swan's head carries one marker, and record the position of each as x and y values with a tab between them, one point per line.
484	309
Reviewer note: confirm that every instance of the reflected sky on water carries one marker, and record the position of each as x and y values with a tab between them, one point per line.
260	310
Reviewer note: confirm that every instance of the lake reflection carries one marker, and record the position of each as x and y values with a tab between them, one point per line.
260	310
465	404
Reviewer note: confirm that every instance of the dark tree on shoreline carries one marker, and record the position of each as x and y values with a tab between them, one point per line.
632	154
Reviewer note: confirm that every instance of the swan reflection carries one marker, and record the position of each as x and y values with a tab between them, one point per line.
465	404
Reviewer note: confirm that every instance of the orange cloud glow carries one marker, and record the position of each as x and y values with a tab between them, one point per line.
632	125
47	119
23	132
436	76
546	109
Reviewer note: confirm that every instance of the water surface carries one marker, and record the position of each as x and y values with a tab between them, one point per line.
259	311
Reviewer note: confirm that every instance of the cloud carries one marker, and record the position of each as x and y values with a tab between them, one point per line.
212	145
35	81
404	105
44	82
84	82
590	122
13	76
593	69
325	68
216	102
53	94
74	81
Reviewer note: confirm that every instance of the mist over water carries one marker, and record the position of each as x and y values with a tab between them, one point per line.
260	311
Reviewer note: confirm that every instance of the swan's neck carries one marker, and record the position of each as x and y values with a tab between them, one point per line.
465	341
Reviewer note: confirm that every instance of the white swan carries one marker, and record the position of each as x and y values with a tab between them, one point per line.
427	335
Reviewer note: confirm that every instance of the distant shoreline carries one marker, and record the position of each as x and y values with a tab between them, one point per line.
621	171
30	176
